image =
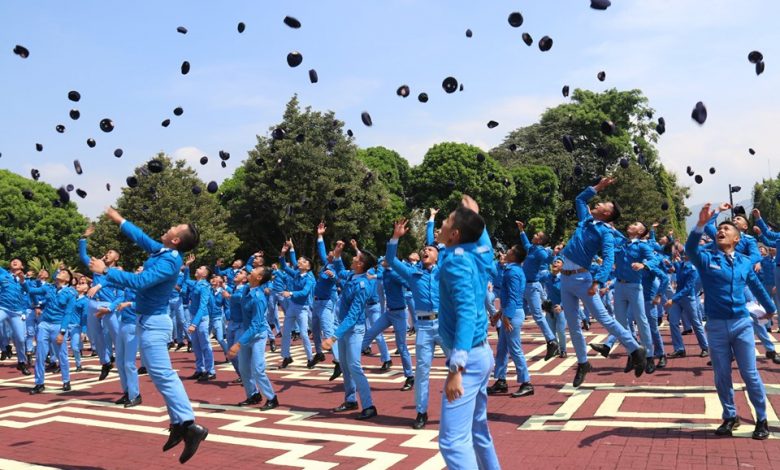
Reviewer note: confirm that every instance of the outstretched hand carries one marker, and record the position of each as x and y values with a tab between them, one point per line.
89	231
469	203
114	215
321	229
706	214
603	184
400	228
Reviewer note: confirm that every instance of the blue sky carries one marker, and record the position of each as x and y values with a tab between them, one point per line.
124	58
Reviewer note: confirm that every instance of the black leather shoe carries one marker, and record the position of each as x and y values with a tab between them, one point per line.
650	367
273	346
346	406
585	325
104	371
237	380
189	347
552	350
134	402
762	430
336	372
704	353
676	354
687	332
420	421
661	362
311	363
563	355
582	371
124	399
286	362
170	345
142	370
22	367
176	435
195	376
386	366
319	357
639	358
79	369
727	426
253	400
525	390
602	349
408	385
773	356
270	404
194	434
37	389
179	346
367	413
499	386
629	365
367	351
66	387
206	377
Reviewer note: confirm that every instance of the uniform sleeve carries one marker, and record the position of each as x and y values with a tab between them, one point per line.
608	255
203	306
761	294
512	292
321	251
293	257
524	241
459	276
163	270
83	256
258	324
581	203
68	304
120	297
688	288
356	308
305	291
693	250
710	229
398	266
766	231
144	241
429	232
752	250
285	267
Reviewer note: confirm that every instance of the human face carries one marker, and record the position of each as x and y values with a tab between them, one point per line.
111	257
330	256
414	258
255	276
240	277
215	282
602	210
635	230
538	237
557	266
171	238
763	251
304	264
430	256
43	274
202	272
63	278
258	262
741	223
16	264
727	237
237	264
449	235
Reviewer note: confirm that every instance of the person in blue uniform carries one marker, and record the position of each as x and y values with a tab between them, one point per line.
725	272
60	304
773	236
217	313
80	311
325	297
551	281
103	331
250	346
13	303
153	289
126	348
537	260
201	301
176	307
373	314
592	236
464	438
34	314
299	296
423	281
351	329
236	321
682	305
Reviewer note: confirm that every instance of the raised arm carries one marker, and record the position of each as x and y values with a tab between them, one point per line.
400	228
355	309
768	233
430	227
523	237
692	248
161	271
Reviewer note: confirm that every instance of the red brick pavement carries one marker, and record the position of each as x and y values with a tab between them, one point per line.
664	420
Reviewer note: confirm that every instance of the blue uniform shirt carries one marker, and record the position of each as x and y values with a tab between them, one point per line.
12	294
724	278
301	285
60	304
536	260
628	252
394	286
424	283
154	284
201	301
254	305
590	238
236	310
770	235
552	285
108	292
326	285
512	288
352	306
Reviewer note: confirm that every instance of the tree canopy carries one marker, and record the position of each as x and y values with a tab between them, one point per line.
766	198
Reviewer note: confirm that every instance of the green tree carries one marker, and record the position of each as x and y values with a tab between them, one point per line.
766	198
161	200
594	152
35	227
450	170
307	171
639	199
535	202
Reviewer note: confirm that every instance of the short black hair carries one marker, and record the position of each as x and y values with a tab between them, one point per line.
70	274
520	253
728	222
468	223
189	240
368	259
545	239
20	260
616	210
268	274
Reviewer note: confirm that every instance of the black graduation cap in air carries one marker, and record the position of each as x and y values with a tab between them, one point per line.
492	124
63	195
77	166
82	194
565	91
527	39
106	125
294	59
118	153
333	205
292	22
313	77
185	67
366	118
601	152
178	111
108	186
469	33
340	192
278	133
350	133
132	181
74	96
699	113
608	127
491	176
480	157
568	143
21	51
755	57
74	114
515	19
39	147
760	68
600	4
512	147
624	162
241	27
224	155
91	143
450	85
60	128
155	166
712	170
27	194
166	123
601	76
70	187
196	190
300	138
545	44
204	159
182	30
664	206
212	187
402	91
223	164
698	179
578	170
35	174
422	97
751	151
